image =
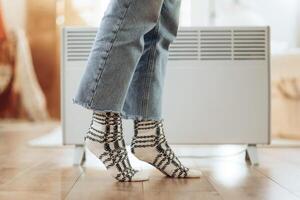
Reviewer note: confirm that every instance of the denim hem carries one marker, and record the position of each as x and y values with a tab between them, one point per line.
122	113
139	117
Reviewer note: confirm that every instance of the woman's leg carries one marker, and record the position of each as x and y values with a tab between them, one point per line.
145	94
144	97
117	49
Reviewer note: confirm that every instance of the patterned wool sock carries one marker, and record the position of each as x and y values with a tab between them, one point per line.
105	140
149	144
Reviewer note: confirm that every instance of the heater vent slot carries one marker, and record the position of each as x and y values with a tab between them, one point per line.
186	46
79	44
215	45
249	44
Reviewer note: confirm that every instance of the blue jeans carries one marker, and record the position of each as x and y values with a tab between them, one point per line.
126	67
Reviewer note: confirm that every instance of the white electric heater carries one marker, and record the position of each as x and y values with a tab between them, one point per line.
217	87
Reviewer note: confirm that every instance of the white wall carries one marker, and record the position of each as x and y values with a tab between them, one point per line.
282	15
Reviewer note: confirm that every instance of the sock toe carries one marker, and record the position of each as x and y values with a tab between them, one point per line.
192	173
140	176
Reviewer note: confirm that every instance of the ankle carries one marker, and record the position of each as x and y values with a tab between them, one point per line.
148	134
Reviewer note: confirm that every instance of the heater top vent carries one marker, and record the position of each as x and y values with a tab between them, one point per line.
192	43
79	43
249	44
220	43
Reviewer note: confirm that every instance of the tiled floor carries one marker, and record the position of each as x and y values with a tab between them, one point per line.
47	173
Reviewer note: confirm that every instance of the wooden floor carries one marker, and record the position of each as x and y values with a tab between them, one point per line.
47	173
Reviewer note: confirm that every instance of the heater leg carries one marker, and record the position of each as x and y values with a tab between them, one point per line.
79	155
251	154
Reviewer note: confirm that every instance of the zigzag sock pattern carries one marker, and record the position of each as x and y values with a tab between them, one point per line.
150	145
105	140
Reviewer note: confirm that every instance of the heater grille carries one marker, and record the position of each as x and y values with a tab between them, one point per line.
215	45
186	46
79	44
249	44
211	44
220	44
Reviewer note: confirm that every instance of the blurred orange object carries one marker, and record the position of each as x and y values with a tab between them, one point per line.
2	28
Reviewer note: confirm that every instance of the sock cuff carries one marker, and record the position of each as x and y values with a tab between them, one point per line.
144	125
106	114
144	122
107	118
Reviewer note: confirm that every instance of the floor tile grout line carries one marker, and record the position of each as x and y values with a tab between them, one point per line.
73	185
277	183
143	189
213	184
280	158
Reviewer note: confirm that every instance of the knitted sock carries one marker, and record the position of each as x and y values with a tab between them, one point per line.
149	144
105	140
